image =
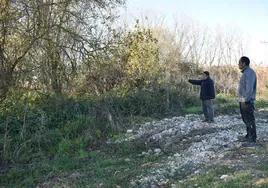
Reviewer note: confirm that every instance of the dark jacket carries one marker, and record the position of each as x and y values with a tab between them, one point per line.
207	88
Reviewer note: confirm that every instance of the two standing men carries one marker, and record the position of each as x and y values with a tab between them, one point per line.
246	97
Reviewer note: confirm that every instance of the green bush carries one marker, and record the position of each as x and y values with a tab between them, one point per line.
37	124
48	125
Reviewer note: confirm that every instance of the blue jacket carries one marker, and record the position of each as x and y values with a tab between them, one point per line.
247	86
207	88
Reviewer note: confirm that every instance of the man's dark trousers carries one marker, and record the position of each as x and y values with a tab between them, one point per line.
208	110
247	112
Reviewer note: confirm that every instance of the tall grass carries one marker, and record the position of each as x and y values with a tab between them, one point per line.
36	125
44	126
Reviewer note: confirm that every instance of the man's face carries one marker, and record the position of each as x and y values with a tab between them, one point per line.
204	76
241	64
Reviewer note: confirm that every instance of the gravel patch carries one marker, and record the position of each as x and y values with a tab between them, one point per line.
187	144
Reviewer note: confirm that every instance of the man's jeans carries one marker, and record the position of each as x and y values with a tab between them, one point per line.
247	112
208	110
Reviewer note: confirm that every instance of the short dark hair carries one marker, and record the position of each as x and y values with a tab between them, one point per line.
206	73
245	60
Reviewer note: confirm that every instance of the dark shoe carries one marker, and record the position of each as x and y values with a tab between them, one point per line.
243	139
210	121
250	144
204	120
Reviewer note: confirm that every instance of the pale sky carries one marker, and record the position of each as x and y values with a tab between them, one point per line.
249	16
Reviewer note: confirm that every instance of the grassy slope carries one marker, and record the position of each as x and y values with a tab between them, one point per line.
242	167
116	165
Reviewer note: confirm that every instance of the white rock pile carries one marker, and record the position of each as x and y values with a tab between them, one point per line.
187	143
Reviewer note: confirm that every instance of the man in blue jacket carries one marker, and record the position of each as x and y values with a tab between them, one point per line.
207	95
247	96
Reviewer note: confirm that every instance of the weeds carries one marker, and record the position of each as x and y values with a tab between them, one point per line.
59	141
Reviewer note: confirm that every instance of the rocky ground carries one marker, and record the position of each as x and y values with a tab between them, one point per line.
178	152
189	146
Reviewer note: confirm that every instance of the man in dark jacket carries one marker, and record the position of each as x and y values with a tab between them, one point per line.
207	95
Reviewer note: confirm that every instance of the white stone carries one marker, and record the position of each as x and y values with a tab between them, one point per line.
224	177
157	150
210	147
127	160
129	131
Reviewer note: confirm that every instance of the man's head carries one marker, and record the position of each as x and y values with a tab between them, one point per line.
206	74
243	62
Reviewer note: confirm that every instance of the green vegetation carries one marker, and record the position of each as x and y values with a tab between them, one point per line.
47	126
255	174
61	141
72	79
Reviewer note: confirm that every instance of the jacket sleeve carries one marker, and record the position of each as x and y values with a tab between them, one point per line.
212	89
195	82
250	82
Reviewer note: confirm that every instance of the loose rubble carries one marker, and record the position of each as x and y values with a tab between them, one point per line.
187	143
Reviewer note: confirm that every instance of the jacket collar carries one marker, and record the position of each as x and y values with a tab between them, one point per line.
245	69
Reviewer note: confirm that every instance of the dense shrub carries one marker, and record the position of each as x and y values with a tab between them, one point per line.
34	123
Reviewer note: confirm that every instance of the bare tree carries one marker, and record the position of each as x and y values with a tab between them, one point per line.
49	38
